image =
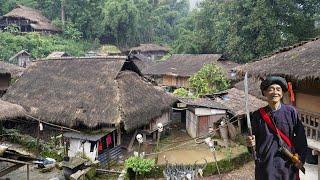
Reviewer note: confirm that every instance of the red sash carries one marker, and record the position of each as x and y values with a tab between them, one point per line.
267	119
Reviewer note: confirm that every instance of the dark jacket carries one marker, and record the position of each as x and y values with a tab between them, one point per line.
270	163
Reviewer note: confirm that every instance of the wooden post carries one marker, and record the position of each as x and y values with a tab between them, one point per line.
158	139
239	125
28	175
318	165
119	135
38	138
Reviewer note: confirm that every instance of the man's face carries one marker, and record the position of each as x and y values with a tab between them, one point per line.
273	93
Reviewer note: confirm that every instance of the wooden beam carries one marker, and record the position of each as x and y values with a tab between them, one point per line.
132	141
14	161
10	169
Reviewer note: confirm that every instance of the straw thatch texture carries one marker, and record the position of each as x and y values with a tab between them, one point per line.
39	22
300	62
57	54
202	102
185	65
7	68
236	103
140	101
142	62
253	87
81	92
10	111
150	48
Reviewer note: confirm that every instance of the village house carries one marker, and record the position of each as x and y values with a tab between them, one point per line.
152	51
142	62
28	20
57	54
198	115
300	65
7	73
22	58
234	101
176	71
103	97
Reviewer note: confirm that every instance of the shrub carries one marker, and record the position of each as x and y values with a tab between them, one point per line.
139	165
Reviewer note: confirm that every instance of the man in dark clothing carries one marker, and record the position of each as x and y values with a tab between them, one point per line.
271	164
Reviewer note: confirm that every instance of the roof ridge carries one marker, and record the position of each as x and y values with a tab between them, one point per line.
110	58
286	48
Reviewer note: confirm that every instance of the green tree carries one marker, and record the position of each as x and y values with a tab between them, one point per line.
210	79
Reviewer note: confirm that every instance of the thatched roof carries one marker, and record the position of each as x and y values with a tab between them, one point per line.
142	62
300	62
7	68
150	48
235	102
57	54
253	87
10	111
39	22
87	92
140	101
202	102
185	65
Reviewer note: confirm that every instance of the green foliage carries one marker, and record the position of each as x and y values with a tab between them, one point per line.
246	29
39	45
12	28
139	165
181	92
209	79
52	154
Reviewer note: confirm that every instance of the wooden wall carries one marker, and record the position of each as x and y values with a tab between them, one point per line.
191	123
175	81
309	102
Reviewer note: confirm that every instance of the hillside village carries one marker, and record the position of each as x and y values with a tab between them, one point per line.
143	111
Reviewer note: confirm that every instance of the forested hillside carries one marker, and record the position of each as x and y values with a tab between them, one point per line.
240	29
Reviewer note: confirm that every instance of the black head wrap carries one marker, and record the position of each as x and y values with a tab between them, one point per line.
274	80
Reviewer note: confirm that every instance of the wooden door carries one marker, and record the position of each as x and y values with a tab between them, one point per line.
203	127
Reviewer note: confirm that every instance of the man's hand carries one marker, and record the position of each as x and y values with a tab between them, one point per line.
251	141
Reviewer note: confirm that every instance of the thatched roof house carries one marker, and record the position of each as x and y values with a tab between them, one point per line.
176	71
152	51
28	20
253	87
299	63
234	101
13	70
185	65
57	54
88	93
143	48
142	62
10	111
202	102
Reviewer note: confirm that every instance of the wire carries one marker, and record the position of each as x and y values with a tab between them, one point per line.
188	140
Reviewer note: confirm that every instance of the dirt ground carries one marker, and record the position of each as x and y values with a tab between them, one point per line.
184	150
246	172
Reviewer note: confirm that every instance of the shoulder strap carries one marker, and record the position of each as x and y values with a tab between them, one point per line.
267	119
